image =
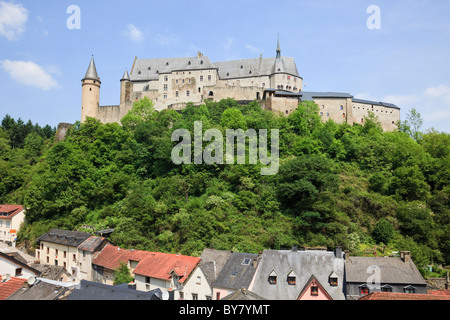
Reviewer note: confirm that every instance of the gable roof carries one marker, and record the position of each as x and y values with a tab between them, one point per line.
91	244
8	287
235	274
97	291
19	263
212	263
161	266
321	264
111	256
243	294
7	211
308	283
39	291
393	270
64	237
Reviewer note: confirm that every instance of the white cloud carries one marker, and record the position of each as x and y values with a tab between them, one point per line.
438	115
252	48
134	33
228	43
30	74
12	20
441	91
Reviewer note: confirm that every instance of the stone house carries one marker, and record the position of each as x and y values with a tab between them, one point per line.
366	275
300	275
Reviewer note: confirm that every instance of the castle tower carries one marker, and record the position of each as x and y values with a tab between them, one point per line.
278	48
126	87
90	95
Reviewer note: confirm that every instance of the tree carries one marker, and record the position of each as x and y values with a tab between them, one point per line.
383	231
122	274
141	111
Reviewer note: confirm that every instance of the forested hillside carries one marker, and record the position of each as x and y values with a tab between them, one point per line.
355	186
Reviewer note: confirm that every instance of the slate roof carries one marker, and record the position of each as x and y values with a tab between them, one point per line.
212	263
8	287
64	237
7	211
309	95
243	294
50	271
91	72
91	244
235	274
304	264
392	270
149	69
39	291
383	104
98	291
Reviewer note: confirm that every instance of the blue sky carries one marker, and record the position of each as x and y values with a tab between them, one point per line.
405	62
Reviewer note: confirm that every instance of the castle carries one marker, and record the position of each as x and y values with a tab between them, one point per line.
274	82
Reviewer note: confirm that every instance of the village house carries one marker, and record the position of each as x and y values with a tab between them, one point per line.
366	275
61	248
236	274
12	267
11	217
300	275
212	263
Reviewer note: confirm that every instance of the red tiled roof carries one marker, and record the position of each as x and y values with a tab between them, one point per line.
111	256
11	286
151	264
445	292
402	296
161	265
10	209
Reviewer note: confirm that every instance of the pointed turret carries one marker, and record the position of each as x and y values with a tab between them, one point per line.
91	73
278	48
126	76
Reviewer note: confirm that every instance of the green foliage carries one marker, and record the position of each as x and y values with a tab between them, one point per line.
122	275
338	184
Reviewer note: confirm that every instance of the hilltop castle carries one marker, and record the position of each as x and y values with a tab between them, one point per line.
274	82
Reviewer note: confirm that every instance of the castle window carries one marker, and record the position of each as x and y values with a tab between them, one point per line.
176	94
343	115
209	78
201	78
328	114
187	93
165	95
199	90
166	78
342	107
165	87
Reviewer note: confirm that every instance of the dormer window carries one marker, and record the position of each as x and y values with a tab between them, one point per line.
291	278
167	63
189	63
242	67
201	62
250	72
315	291
333	279
386	288
273	277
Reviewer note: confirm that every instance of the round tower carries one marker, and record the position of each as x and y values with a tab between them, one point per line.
90	95
126	87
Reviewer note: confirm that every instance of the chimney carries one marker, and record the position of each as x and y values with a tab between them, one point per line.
338	252
347	255
405	256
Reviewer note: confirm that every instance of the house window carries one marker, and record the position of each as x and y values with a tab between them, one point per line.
84	254
246	261
65	254
18	272
56	253
364	290
48	250
48	260
333	282
208	298
386	289
199	280
217	295
314	291
291	280
409	289
181	295
74	257
194	296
